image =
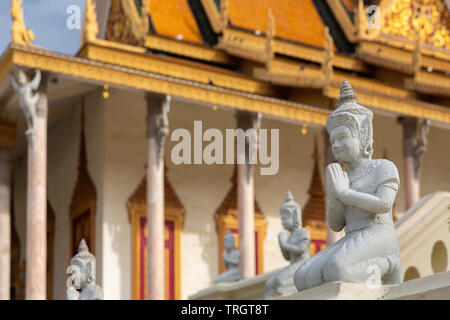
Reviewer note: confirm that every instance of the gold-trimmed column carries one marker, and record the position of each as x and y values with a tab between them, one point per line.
414	146
157	129
246	193
7	142
33	102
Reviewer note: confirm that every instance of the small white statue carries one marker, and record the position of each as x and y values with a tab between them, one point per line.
360	200
294	247
231	257
28	97
81	284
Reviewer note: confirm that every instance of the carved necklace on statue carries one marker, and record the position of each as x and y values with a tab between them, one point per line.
361	171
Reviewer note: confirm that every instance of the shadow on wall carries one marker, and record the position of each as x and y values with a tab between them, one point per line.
118	233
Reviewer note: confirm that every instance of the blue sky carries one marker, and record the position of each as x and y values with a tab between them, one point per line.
48	19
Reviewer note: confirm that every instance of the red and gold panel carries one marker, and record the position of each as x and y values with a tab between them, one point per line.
172	253
318	239
169	256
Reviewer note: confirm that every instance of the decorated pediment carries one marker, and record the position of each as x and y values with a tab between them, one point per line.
430	19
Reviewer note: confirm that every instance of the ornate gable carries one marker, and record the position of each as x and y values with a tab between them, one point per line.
430	18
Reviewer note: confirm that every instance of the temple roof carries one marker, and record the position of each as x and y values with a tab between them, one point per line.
295	20
174	19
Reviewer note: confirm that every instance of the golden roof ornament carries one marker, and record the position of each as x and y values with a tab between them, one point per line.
224	18
19	33
270	35
90	22
327	64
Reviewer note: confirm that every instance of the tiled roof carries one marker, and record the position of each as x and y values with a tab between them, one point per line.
295	20
174	19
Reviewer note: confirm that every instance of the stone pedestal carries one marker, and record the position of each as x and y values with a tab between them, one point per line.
248	289
434	287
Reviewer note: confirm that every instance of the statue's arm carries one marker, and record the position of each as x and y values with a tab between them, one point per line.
335	214
300	246
380	203
36	80
233	258
14	83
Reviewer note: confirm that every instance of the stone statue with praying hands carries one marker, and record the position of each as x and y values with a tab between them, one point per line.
231	259
294	247
359	200
81	283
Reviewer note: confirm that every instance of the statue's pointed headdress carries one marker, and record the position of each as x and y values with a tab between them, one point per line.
356	117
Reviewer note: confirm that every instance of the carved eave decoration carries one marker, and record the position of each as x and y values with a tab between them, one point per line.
185	49
8	131
403	23
125	25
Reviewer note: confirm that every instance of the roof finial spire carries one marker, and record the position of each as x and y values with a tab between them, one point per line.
90	20
19	33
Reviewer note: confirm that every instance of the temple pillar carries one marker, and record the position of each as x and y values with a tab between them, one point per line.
245	191
157	129
7	142
36	242
332	236
414	146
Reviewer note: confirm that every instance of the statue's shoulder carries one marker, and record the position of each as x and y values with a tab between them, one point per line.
386	171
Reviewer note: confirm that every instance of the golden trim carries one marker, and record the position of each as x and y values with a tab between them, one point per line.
182	48
136	79
343	19
136	212
139	24
400	59
174	67
218	19
250	46
429	83
394	104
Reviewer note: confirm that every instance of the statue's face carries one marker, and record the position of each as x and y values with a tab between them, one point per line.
346	148
287	219
79	275
229	243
